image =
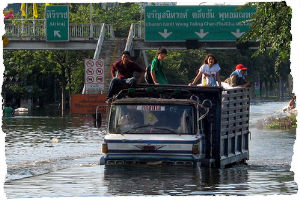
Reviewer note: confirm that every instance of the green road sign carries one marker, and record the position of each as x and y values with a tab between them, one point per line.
57	23
205	23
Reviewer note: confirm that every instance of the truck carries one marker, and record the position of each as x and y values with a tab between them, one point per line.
178	125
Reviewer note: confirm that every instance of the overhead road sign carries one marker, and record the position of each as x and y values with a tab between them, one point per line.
57	23
204	23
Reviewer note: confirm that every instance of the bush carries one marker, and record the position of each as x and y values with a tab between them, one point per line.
286	123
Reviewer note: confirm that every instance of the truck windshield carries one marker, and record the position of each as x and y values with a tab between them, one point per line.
152	119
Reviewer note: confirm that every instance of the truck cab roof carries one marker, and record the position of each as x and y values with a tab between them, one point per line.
147	100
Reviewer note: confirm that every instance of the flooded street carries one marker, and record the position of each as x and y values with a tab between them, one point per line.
50	156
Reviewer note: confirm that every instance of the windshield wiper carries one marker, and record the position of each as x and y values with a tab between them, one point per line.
164	128
137	127
134	129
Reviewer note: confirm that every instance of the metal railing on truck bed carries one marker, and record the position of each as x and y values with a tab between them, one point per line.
235	125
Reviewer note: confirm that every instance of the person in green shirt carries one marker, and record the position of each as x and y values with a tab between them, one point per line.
8	111
157	73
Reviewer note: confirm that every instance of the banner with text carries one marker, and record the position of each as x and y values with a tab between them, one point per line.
87	103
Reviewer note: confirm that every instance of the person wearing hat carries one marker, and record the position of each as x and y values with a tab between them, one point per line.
122	73
237	77
156	71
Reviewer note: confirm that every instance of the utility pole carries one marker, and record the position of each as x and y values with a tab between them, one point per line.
91	21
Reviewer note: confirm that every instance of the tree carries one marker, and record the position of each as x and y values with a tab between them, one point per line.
271	26
181	65
23	75
43	71
121	16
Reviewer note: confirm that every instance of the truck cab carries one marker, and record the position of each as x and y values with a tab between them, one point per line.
147	130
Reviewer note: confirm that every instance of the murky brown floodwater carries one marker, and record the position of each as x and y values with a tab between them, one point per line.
50	156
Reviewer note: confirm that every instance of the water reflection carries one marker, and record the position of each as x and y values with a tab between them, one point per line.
95	180
174	180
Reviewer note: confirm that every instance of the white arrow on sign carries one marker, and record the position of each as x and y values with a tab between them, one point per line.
165	34
237	34
201	34
56	33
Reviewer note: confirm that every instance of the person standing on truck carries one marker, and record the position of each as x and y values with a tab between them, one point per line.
237	77
209	72
156	71
122	73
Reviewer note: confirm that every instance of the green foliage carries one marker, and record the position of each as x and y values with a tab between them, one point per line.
289	122
271	26
42	69
181	66
48	70
121	17
79	13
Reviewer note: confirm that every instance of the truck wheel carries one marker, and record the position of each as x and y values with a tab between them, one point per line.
102	162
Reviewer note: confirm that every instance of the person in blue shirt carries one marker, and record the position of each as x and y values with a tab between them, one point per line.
237	77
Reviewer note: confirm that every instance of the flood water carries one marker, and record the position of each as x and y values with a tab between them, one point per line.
51	156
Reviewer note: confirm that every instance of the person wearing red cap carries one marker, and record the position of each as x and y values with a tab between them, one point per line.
237	78
209	72
241	67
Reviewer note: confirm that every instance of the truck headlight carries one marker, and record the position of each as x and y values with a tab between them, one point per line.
195	149
104	148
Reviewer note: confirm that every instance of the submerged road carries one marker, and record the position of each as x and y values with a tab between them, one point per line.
50	156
